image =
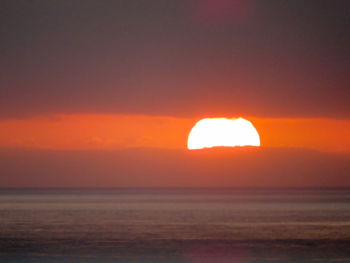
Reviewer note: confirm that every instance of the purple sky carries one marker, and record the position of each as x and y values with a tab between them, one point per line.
185	58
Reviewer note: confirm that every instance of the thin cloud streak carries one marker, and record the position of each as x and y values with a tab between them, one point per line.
265	167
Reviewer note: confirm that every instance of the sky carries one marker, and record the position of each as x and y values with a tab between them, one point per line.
106	78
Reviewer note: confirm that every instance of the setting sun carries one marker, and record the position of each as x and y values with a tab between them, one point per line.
211	132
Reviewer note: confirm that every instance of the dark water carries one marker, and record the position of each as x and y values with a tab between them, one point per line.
175	225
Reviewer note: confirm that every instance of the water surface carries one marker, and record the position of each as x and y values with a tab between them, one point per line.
175	225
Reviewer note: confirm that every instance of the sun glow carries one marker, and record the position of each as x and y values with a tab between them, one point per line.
211	132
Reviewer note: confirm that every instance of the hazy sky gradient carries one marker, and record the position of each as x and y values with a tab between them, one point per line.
85	84
177	58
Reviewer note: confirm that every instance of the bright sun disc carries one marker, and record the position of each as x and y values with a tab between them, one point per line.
211	132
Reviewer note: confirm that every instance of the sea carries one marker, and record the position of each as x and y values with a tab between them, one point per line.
178	225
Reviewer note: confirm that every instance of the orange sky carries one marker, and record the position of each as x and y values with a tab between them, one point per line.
101	131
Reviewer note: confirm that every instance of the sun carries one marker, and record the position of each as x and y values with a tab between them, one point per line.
211	132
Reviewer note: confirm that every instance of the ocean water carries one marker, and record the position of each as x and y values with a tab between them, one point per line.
175	225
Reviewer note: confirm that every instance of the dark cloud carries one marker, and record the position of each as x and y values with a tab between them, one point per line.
265	58
230	167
